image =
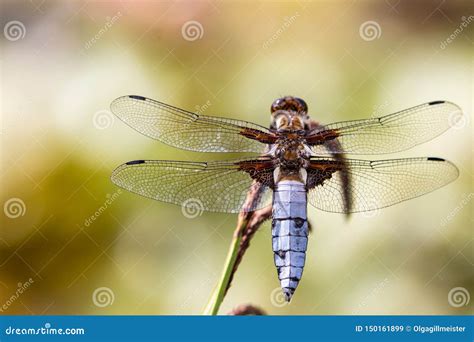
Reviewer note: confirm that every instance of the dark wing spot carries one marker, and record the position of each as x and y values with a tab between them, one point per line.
137	97
435	159
436	102
133	162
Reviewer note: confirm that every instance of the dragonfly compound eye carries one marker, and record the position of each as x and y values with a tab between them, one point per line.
290	103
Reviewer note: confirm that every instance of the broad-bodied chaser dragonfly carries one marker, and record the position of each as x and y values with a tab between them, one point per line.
297	161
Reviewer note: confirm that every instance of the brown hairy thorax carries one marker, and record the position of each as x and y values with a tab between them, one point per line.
290	121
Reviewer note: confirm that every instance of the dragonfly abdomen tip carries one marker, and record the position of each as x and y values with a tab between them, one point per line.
288	292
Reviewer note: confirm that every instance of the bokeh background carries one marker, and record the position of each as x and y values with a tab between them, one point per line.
64	62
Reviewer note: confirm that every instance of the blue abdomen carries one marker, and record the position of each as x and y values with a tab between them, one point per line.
289	233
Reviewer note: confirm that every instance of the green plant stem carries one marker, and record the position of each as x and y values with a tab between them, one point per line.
220	290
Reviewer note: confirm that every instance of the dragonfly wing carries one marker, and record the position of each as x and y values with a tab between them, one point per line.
187	130
374	184
220	186
387	134
333	147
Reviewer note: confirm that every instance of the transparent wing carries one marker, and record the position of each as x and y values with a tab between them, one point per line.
374	184
387	134
333	147
219	186
187	130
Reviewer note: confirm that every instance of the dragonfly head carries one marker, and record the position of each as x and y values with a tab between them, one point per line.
289	113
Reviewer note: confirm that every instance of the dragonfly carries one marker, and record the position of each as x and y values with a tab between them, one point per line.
293	162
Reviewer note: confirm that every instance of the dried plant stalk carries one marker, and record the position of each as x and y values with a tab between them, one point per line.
247	224
254	222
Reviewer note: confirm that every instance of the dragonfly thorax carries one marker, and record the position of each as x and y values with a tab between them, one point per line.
290	152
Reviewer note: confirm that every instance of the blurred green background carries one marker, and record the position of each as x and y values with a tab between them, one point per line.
65	63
